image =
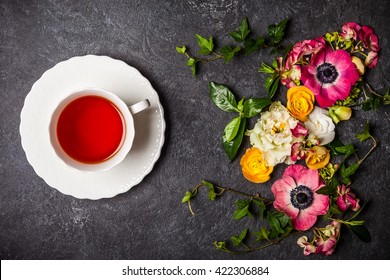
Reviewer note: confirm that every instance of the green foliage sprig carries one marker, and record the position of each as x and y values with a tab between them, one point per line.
233	133
246	45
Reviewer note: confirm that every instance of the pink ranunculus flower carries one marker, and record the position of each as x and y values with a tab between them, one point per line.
350	30
327	246
295	195
308	248
298	151
299	130
371	59
330	76
369	38
306	47
292	71
347	199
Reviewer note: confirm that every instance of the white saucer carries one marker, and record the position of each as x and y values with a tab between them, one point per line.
91	71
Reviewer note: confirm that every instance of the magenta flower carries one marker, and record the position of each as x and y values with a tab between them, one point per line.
299	130
298	151
330	76
291	70
295	195
306	47
325	247
347	199
369	38
371	59
350	30
308	248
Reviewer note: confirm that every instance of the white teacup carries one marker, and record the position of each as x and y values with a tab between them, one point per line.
93	129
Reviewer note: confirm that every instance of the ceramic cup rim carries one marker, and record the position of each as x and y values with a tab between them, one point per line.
128	134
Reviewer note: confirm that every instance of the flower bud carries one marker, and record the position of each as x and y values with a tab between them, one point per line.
359	65
340	113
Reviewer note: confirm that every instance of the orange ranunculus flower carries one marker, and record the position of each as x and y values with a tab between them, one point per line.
300	102
254	168
317	157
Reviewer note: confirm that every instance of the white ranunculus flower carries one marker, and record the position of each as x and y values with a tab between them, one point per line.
321	125
272	134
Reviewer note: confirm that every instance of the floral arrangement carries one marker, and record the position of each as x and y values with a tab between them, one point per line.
325	80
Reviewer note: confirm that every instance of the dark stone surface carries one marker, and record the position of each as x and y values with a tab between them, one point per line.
149	221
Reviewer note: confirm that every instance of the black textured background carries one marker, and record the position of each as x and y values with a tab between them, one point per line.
149	221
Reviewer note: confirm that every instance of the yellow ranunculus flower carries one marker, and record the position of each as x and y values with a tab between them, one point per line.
317	157
300	102
254	168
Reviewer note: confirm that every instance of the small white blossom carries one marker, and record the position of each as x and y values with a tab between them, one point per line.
320	125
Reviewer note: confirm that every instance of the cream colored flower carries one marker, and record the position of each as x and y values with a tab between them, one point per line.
321	125
272	134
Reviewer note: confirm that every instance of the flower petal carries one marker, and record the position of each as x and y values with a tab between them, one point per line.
340	59
310	178
324	101
284	185
284	205
304	220
294	171
320	204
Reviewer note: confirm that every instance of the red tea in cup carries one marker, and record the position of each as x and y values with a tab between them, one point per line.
90	129
93	130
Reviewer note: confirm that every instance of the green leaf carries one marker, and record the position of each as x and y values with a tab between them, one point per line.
274	223
333	145
365	134
206	46
240	105
330	188
261	206
361	232
243	234
228	53
223	98
283	219
253	106
349	171
231	128
181	50
372	103
252	45
207	184
242	33
242	209
187	197
273	87
235	240
262	234
334	209
220	245
347	149
191	62
265	68
231	147
265	232
276	32
193	69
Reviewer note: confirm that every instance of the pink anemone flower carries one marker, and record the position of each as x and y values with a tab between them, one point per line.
295	195
330	76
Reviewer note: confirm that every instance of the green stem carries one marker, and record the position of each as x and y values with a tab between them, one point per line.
375	144
256	196
253	249
221	190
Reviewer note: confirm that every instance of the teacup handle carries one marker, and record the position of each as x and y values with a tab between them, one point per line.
140	106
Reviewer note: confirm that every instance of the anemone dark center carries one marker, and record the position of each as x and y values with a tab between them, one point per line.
301	197
327	73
